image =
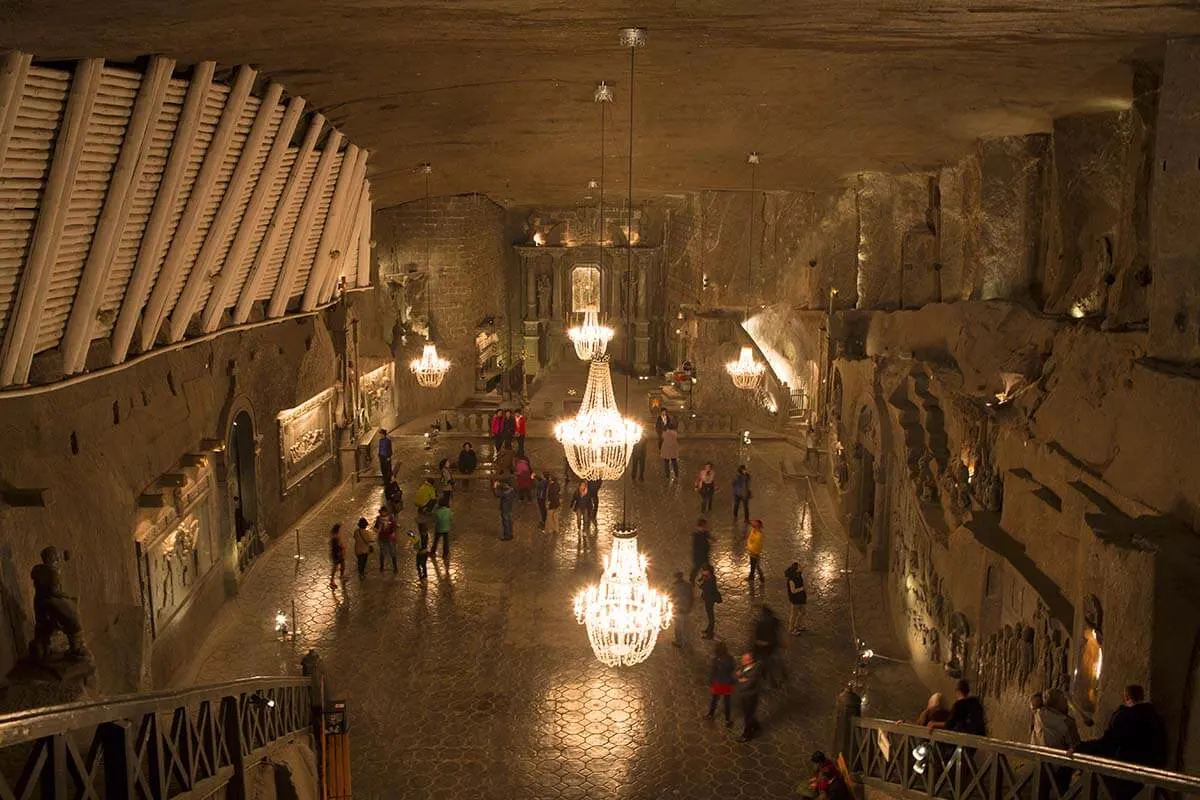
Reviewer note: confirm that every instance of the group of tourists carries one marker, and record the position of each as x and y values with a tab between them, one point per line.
508	427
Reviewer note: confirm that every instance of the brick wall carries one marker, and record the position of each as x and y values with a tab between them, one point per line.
471	269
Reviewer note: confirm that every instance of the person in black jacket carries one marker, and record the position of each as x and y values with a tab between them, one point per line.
721	680
1136	735
710	595
797	598
766	647
682	598
468	461
966	715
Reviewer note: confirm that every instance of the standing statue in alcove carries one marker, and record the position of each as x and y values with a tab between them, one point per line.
926	480
54	610
542	289
1061	677
987	654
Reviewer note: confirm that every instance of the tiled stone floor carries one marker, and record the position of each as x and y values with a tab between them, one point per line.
482	685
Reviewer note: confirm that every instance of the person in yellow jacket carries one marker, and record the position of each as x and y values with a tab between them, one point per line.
754	548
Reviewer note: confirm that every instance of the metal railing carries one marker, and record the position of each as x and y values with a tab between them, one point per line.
151	746
908	760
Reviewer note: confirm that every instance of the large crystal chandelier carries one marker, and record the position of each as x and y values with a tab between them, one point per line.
622	613
590	338
746	372
430	368
598	440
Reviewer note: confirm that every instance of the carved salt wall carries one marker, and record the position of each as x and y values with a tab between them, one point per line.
377	394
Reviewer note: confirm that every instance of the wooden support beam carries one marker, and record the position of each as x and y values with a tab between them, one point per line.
300	234
21	333
220	297
345	232
118	203
210	170
235	194
364	239
275	229
13	69
322	262
160	214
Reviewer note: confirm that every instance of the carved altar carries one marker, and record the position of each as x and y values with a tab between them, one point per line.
376	389
563	281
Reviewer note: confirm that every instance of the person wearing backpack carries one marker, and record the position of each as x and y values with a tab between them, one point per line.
797	598
385	534
362	546
683	600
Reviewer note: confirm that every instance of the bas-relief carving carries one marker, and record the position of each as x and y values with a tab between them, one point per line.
375	389
1024	658
305	438
177	552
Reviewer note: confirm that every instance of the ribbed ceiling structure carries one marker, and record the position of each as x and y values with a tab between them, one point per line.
139	208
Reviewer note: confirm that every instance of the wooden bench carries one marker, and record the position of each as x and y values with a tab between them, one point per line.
484	474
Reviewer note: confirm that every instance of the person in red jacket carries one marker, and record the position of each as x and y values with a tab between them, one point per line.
497	430
519	425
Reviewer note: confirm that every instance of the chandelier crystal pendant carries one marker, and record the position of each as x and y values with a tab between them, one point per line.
622	613
746	372
590	338
598	441
430	369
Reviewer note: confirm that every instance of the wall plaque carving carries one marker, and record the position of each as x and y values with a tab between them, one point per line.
585	288
305	438
177	551
375	389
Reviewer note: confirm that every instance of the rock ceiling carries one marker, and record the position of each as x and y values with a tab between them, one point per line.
498	93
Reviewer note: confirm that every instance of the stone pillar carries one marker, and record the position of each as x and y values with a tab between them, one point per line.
1175	210
641	327
533	356
849	709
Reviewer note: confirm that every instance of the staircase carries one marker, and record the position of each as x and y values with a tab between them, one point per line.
212	741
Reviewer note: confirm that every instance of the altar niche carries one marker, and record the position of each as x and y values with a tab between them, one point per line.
562	282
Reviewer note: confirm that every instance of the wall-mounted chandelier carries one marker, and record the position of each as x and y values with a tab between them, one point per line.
746	372
430	368
623	614
590	337
598	441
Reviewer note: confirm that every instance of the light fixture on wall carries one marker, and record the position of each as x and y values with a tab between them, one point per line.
590	337
746	372
430	368
623	613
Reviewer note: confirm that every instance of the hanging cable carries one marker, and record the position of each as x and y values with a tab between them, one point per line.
634	38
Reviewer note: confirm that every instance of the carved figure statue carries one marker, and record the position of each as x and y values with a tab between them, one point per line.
842	468
542	289
986	656
1025	651
926	480
1058	659
1004	655
54	610
995	500
979	488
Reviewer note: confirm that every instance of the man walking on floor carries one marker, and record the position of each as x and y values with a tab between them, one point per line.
505	493
385	457
754	548
443	517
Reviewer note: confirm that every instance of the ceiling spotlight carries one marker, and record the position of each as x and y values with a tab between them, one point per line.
752	158
593	184
603	93
424	169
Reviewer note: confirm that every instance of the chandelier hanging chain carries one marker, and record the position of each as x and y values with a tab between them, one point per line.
603	100
428	260
751	275
629	287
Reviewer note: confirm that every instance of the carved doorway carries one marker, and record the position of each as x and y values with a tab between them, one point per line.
242	457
